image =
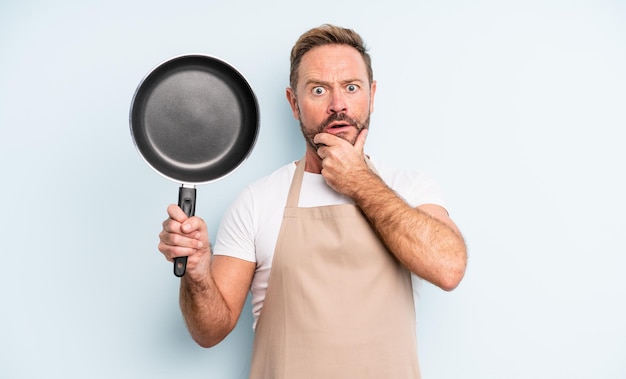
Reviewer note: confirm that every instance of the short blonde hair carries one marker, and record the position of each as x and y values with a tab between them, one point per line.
327	34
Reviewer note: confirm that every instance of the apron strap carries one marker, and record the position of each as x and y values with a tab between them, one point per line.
296	184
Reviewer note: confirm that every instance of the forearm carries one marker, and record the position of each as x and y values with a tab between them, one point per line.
427	246
206	314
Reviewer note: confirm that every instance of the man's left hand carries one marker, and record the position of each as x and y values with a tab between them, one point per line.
343	164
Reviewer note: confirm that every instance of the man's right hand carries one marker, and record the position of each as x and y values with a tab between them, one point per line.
184	236
210	313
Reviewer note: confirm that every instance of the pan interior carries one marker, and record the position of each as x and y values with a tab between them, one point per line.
194	119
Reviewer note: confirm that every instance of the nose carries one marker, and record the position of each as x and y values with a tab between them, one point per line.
338	103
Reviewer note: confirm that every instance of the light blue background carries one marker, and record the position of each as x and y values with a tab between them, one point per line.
516	107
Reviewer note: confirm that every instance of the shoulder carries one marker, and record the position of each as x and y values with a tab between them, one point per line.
253	210
264	192
279	177
415	186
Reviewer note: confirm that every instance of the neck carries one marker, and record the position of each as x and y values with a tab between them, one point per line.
313	161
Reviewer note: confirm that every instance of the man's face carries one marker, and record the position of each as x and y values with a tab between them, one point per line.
333	93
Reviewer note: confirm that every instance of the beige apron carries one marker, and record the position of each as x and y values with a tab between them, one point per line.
338	304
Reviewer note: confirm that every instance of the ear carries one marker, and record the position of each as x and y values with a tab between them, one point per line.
372	93
293	102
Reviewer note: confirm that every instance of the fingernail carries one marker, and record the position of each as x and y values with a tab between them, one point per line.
186	227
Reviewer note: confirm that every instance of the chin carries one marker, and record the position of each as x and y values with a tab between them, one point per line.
347	137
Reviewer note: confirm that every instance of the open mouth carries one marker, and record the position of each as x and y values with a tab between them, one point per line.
339	124
336	127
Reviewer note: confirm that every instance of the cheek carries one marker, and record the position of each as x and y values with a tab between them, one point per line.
310	113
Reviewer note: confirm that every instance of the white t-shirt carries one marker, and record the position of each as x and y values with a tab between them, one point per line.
250	227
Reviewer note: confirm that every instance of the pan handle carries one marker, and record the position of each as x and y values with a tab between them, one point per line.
187	202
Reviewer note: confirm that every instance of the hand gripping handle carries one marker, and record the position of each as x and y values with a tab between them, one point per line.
187	202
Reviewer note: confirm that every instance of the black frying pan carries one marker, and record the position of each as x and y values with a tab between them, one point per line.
194	119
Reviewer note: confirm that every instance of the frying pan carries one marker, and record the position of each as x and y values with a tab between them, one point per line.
194	119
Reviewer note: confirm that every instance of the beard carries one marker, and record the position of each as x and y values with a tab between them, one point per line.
309	134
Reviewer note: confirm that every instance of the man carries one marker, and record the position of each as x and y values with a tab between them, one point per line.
328	246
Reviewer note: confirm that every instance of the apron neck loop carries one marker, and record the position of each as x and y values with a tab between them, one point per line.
296	184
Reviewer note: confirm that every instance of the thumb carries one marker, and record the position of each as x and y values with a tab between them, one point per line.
176	213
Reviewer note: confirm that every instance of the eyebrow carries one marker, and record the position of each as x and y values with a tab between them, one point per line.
324	83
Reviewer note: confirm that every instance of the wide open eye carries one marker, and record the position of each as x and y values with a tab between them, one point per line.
352	88
319	90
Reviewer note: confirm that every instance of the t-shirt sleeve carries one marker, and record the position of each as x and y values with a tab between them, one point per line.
418	188
235	235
